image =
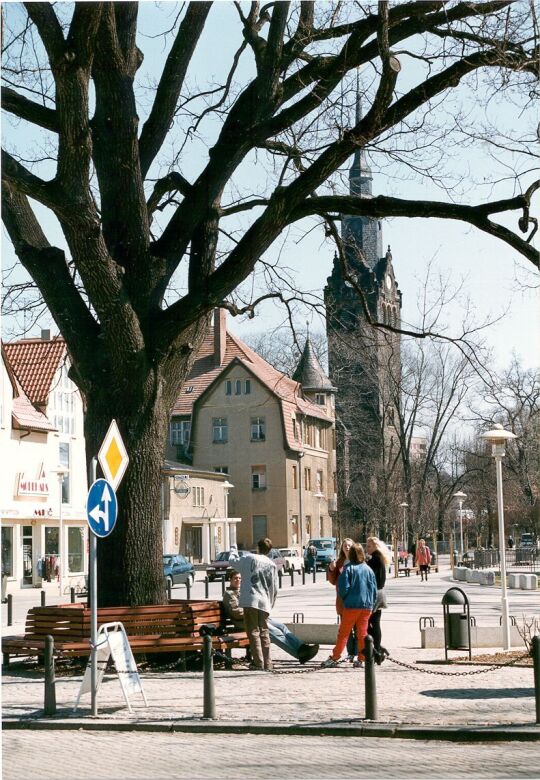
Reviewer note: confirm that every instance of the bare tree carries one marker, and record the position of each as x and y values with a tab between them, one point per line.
149	250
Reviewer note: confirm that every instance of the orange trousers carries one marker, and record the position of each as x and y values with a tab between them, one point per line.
358	618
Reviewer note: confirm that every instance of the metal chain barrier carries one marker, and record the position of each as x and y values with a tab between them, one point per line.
458	674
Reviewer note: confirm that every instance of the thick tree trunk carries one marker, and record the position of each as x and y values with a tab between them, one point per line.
130	566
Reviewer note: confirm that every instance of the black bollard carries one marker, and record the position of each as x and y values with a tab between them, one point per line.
223	583
315	572
188	588
49	707
10	609
42	598
209	707
169	590
206	587
292	577
280	578
370	685
303	576
536	663
72	595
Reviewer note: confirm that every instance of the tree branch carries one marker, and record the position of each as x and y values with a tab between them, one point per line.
28	110
158	123
48	193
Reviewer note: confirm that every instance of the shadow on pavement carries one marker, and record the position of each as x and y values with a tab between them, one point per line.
480	693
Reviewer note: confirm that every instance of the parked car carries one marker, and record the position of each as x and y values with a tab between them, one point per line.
292	558
276	555
178	570
326	550
220	567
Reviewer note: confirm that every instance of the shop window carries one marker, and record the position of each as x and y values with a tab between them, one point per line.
51	541
75	550
64	457
7	551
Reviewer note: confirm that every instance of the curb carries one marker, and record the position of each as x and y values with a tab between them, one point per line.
498	733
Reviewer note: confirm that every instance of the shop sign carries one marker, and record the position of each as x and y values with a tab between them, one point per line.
37	485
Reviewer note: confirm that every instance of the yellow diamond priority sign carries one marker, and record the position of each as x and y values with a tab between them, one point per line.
112	456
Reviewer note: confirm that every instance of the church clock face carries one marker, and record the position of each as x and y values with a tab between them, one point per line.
388	282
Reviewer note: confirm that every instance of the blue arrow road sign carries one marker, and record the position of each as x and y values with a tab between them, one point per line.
101	508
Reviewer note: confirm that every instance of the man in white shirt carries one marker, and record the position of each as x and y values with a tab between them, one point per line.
258	591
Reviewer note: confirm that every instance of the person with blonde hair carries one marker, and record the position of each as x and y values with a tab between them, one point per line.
357	588
379	559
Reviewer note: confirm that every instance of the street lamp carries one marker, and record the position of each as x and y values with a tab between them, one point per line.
61	472
319	496
460	496
404	505
498	438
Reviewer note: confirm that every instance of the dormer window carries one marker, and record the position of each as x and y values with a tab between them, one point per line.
320	399
189	389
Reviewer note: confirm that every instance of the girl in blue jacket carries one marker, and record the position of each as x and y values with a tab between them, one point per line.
357	587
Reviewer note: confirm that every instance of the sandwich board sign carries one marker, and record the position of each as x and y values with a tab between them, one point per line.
113	641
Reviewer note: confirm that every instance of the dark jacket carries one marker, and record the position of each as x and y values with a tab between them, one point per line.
357	586
376	564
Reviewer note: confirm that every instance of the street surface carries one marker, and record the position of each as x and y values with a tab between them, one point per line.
59	755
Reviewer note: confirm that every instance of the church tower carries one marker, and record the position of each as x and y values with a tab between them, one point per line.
364	362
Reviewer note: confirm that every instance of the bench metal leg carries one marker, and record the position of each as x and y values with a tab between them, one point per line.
5	659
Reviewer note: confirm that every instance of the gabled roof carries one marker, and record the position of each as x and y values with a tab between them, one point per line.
35	363
309	371
205	372
24	415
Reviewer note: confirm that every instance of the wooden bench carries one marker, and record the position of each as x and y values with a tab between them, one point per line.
167	628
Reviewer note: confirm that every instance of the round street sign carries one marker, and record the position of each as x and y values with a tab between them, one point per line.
101	508
181	485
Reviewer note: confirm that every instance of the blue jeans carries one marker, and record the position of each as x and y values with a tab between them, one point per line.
282	637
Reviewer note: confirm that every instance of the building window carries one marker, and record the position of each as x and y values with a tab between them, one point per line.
221	469
317	437
75	550
294	477
63	454
320	482
294	429
238	387
63	406
258	429
260	528
307	479
198	496
228	387
180	431
51	541
320	399
258	477
7	552
219	430
323	439
247	387
308	433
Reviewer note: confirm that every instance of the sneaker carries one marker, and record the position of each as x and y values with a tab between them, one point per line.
307	652
358	664
350	659
329	663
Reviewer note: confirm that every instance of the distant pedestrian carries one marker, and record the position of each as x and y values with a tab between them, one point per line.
510	542
334	570
357	587
379	559
423	559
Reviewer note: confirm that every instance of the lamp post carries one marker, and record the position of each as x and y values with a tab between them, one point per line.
228	540
498	438
460	497
61	472
404	505
319	496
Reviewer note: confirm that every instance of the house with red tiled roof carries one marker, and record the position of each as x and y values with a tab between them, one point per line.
274	438
42	460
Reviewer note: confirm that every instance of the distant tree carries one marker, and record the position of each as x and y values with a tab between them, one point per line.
153	240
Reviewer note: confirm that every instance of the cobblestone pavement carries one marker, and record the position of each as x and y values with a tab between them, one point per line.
85	756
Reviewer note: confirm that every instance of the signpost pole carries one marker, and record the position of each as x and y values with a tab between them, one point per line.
93	603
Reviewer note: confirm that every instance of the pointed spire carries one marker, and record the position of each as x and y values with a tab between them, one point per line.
360	173
309	371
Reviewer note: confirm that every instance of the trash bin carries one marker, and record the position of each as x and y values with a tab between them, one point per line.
458	633
457	625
